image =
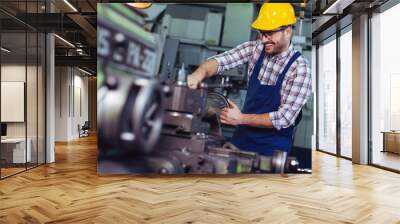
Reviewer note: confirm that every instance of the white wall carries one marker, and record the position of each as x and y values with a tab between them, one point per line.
71	102
81	104
62	81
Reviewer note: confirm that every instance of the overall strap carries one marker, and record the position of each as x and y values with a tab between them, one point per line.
258	65
285	70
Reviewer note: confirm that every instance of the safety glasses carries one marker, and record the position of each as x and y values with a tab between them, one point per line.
271	32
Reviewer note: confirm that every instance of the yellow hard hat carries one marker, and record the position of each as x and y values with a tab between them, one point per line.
140	5
274	15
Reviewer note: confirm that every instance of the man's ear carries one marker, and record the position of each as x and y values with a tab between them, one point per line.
289	31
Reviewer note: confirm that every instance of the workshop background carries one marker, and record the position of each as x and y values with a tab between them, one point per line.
144	55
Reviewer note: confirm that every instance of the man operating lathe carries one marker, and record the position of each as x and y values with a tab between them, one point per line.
278	87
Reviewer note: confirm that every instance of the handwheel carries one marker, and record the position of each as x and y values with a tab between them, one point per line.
215	103
147	115
130	115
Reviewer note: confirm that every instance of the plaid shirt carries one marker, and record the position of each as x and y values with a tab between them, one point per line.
296	86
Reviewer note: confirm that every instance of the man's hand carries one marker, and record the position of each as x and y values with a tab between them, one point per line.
194	80
231	115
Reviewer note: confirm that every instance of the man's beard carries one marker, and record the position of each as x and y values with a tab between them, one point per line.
271	46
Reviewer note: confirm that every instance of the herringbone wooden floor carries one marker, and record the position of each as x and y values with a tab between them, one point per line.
70	191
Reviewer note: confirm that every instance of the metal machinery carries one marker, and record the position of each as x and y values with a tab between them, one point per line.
149	126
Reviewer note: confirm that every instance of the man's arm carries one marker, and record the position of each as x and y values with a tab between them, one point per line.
222	62
257	120
205	70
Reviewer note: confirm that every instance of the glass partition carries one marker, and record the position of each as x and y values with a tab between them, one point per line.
385	89
346	93
327	96
22	88
14	152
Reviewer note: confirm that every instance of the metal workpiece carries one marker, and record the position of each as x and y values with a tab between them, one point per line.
182	122
194	110
184	99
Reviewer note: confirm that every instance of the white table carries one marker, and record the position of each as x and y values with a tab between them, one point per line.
18	151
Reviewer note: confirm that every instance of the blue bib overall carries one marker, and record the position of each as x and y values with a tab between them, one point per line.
262	99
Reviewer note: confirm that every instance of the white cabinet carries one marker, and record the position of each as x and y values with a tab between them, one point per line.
391	142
